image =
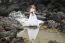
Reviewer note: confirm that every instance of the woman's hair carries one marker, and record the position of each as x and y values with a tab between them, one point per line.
32	2
33	6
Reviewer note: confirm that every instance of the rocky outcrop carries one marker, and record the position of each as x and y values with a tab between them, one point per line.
8	31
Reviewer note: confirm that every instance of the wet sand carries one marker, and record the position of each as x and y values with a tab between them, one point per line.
45	35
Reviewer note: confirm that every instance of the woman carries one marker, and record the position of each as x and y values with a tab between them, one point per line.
33	22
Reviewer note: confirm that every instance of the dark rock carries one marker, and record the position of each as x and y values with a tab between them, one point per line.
52	41
8	30
61	27
9	24
61	15
52	24
58	17
63	20
18	40
11	33
1	29
41	17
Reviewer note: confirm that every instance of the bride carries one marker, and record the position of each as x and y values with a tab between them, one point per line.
29	23
33	22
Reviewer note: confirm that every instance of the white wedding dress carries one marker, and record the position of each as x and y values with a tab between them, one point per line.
32	21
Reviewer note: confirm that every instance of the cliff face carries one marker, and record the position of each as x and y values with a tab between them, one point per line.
7	6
